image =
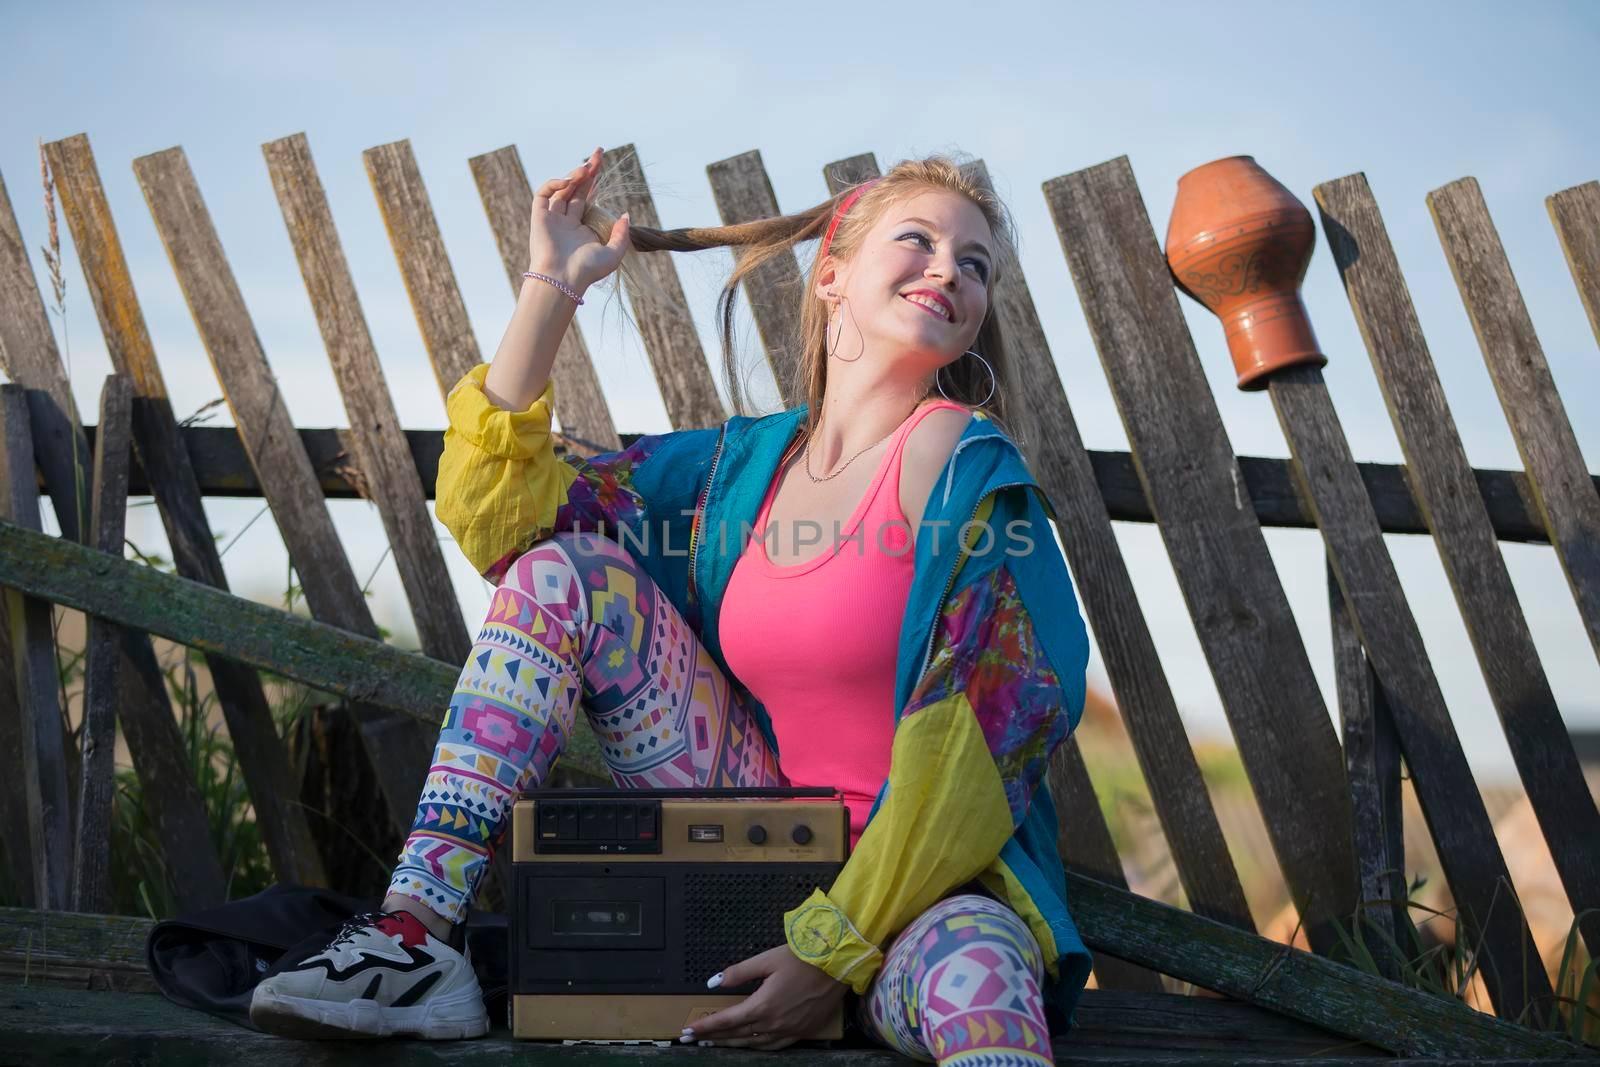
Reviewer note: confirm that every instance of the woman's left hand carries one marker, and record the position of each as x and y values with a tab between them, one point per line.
793	1001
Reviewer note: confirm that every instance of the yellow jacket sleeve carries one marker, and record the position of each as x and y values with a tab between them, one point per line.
500	481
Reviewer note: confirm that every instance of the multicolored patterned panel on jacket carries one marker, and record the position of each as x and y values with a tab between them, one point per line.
601	498
987	648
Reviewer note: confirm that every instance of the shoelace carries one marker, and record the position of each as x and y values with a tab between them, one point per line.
356	923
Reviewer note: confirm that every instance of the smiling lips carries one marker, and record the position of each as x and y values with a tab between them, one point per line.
926	298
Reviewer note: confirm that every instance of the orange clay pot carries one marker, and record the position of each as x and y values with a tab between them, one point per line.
1239	243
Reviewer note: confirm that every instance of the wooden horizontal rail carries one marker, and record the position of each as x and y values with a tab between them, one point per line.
1333	997
191	613
223	471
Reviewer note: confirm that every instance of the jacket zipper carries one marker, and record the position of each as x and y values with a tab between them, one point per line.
694	535
933	630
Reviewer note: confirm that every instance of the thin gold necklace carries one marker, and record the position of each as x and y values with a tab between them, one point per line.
828	477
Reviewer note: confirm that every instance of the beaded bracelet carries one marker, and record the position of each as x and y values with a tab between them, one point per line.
557	282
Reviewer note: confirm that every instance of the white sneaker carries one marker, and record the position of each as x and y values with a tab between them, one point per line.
383	974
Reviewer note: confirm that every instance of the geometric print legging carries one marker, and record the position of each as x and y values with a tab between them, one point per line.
577	623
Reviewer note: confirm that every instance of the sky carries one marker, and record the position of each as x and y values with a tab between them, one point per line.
1415	95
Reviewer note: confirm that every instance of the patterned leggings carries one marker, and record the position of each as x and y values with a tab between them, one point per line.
577	622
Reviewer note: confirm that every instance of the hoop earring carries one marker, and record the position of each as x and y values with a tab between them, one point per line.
992	382
830	347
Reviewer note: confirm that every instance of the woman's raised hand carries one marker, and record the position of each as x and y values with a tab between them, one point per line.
558	242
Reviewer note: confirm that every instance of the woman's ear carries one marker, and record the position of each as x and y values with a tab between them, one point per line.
826	285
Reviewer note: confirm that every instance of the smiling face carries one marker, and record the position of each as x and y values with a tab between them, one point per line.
916	287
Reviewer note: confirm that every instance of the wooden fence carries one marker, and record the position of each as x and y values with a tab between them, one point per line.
1329	797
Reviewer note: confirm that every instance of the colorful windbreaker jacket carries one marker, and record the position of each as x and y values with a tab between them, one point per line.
991	666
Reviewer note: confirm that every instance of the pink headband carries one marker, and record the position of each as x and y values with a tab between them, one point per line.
844	206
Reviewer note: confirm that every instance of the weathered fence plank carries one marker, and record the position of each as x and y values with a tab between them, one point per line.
1549	451
1057	457
325	657
1462	831
1575	213
381	451
398	750
1220	557
1406	1021
29	354
1087	847
18	843
28	350
91	879
1442	479
162	469
743	194
662	314
1372	764
424	265
508	199
44	761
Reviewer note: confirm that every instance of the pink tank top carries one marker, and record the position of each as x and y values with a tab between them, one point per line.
817	642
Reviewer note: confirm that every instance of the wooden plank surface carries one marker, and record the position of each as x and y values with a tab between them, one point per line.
507	196
661	312
1372	764
162	468
91	879
1462	831
743	193
399	752
1443	481
1575	213
71	1025
380	448
424	265
1274	705
325	657
1549	450
1334	999
33	648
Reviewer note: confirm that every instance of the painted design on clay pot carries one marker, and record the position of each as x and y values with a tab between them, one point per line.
1240	243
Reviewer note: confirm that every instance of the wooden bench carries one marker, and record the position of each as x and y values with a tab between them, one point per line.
1329	797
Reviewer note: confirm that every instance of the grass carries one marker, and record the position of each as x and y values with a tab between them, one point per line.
1447	968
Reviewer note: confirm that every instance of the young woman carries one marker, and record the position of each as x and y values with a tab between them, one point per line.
927	659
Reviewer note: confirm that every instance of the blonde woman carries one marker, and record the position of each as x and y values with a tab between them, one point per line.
926	659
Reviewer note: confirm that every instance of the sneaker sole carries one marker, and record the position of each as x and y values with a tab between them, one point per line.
456	1018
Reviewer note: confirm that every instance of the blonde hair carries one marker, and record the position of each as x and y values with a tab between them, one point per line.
965	380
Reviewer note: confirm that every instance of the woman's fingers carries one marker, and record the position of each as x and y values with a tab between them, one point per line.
541	198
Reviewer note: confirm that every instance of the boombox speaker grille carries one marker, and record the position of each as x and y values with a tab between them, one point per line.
731	916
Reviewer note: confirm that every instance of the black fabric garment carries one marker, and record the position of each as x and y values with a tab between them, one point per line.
212	960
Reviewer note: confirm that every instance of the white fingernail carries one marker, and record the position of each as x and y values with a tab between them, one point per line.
686	1038
714	981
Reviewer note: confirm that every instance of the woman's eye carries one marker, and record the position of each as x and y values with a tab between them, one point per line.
981	267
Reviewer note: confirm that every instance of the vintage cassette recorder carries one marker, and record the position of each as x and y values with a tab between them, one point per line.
625	901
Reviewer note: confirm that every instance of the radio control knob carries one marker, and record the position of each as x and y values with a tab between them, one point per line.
801	835
756	835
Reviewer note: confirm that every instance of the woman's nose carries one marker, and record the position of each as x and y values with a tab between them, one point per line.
945	269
